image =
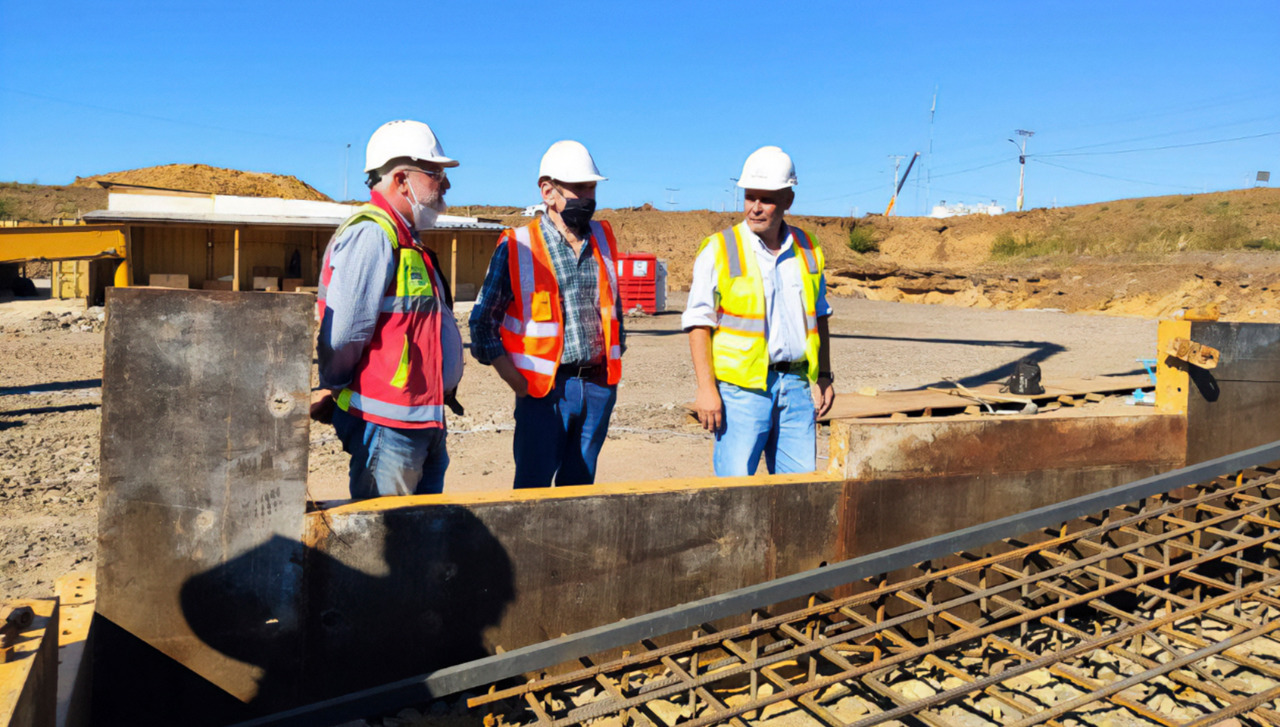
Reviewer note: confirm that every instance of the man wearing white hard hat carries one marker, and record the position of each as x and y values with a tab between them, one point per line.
757	323
389	349
549	320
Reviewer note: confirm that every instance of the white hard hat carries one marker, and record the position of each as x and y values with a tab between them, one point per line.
570	162
768	168
404	138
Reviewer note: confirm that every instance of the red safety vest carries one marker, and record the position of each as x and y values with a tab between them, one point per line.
533	328
397	382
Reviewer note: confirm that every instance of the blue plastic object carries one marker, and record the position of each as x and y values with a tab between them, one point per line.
1150	365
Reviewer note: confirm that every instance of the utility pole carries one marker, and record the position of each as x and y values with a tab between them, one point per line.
1022	160
928	168
897	162
898	187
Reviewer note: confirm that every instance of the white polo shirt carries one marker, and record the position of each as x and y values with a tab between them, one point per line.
783	295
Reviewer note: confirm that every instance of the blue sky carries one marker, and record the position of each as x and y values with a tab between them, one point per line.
668	96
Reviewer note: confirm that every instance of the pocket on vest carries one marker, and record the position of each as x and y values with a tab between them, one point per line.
541	305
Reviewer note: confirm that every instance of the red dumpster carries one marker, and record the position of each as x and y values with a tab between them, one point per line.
637	277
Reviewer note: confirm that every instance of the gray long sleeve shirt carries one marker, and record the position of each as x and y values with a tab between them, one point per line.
363	267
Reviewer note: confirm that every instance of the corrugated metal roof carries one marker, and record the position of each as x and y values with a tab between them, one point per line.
444	222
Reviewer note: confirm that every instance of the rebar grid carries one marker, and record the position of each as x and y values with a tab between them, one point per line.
1162	609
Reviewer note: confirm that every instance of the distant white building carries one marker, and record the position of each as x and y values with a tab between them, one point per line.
942	209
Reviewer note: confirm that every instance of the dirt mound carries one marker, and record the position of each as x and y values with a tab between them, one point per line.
1156	226
212	180
36	203
675	236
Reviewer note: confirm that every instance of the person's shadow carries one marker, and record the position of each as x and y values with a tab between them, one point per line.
364	618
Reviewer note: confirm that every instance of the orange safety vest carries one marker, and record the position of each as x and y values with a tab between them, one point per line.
397	382
533	327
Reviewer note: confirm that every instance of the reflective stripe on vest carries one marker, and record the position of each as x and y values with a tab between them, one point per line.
533	328
739	345
387	387
348	399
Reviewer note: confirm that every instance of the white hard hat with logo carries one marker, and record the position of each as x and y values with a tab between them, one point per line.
404	138
768	168
569	162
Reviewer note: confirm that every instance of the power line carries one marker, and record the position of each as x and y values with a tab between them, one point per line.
967	193
878	187
1166	134
1108	176
180	122
1145	115
972	169
1154	148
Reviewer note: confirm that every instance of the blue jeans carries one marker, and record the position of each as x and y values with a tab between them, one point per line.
777	421
560	434
390	461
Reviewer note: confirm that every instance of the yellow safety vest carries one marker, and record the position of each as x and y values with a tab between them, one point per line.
739	350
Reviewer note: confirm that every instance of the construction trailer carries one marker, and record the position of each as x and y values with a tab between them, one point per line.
221	588
219	242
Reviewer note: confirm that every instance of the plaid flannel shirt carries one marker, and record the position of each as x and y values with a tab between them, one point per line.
578	279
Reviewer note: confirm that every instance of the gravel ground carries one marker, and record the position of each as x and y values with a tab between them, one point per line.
51	377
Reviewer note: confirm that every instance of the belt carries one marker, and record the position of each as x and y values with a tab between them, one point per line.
580	372
787	367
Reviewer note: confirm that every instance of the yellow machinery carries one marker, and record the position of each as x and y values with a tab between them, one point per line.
75	245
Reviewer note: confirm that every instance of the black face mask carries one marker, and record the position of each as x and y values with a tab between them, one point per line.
577	215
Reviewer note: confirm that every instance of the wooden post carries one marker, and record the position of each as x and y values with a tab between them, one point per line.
208	254
235	265
315	259
453	268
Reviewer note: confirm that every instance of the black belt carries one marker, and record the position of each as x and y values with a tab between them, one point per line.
580	372
786	367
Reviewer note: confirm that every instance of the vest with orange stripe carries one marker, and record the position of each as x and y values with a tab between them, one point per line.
739	348
397	382
533	327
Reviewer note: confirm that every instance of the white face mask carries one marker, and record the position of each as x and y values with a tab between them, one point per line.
424	216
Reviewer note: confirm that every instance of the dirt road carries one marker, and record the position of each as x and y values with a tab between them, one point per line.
50	388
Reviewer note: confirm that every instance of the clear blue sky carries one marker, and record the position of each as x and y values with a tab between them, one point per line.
666	95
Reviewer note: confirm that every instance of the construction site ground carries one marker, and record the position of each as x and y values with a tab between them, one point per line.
50	394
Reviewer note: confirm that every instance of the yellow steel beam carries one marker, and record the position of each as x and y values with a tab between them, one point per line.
1172	380
380	504
29	667
76	593
79	242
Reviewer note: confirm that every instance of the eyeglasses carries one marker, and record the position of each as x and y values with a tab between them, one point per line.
437	174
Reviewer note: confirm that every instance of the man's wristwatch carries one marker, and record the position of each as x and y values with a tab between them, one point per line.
826	375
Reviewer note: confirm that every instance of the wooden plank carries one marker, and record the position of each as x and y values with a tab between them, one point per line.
884	403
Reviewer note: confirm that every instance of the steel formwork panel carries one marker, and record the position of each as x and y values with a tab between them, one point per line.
1162	609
